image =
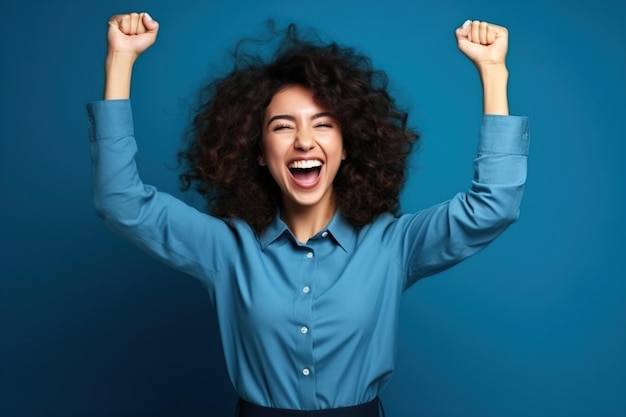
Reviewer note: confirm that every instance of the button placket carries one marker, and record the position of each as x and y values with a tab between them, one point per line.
303	314
304	329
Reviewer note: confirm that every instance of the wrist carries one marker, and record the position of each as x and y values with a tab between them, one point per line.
118	72
496	72
494	79
117	61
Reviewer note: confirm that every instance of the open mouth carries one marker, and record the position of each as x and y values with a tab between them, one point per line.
305	172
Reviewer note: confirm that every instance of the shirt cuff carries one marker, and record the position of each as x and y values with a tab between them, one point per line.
505	135
109	119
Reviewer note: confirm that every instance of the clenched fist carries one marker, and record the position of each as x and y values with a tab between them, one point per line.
131	33
483	43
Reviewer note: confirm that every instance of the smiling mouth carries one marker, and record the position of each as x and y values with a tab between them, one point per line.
305	173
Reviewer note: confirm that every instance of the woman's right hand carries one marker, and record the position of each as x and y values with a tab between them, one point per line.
131	33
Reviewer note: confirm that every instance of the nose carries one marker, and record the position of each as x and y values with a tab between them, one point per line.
304	140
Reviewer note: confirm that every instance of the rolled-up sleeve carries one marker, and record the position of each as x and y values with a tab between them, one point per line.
439	237
158	223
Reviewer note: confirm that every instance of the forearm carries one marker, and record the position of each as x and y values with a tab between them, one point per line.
494	79
157	222
443	235
118	70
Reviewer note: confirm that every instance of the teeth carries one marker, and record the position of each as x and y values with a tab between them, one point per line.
306	164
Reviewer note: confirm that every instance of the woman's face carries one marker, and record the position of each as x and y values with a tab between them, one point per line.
302	147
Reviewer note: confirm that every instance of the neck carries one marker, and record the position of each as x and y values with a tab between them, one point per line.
305	222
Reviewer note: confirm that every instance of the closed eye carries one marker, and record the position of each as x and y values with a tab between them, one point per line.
281	127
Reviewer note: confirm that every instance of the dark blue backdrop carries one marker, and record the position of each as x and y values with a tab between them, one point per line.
534	325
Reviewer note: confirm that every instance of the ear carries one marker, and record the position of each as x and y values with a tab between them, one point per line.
343	155
261	160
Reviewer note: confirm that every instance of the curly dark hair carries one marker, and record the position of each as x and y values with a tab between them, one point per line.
224	140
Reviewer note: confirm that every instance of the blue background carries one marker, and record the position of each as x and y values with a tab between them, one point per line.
534	325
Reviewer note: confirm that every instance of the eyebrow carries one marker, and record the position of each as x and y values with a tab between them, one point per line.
292	118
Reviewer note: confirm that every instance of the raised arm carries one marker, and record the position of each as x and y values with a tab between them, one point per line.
129	35
441	236
486	44
157	222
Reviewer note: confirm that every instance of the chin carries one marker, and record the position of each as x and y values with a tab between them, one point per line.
308	199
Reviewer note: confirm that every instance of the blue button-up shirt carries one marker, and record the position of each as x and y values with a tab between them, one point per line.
307	325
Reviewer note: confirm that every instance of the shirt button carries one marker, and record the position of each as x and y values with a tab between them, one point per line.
306	372
304	330
309	255
324	234
306	289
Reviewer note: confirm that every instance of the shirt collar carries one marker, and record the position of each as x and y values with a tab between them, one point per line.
273	231
339	228
342	231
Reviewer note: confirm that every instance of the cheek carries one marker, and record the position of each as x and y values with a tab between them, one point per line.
271	155
340	148
265	151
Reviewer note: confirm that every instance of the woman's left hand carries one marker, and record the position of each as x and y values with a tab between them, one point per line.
483	43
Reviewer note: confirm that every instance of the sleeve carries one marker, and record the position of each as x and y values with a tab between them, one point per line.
439	237
158	223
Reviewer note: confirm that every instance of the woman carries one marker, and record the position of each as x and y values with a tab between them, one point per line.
302	159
